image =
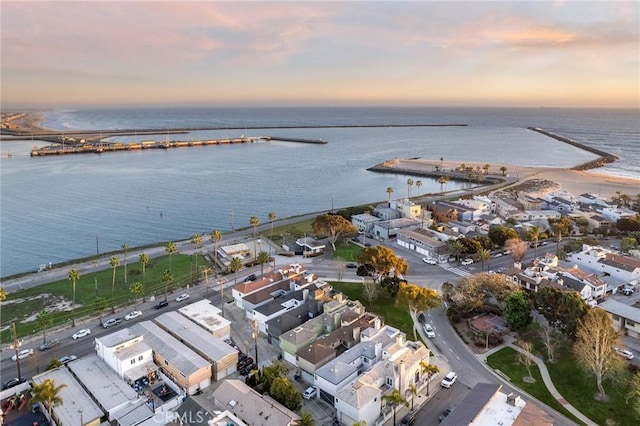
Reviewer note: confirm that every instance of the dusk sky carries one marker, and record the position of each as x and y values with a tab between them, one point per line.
474	53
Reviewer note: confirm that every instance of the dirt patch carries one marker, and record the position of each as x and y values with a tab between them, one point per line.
471	336
52	303
536	187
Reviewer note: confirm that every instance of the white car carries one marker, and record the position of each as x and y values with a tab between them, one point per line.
449	380
132	315
429	331
466	262
183	296
81	333
310	392
622	352
67	359
22	354
429	260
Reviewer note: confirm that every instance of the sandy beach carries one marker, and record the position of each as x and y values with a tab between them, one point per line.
573	181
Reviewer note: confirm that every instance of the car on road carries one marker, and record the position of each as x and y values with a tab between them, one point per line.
49	344
183	296
13	382
81	333
421	318
624	353
449	380
310	392
499	254
408	419
250	277
22	354
132	315
161	304
628	291
444	414
429	260
352	265
466	262
111	322
428	330
67	359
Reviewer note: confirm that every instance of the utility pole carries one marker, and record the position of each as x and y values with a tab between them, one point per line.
255	340
15	348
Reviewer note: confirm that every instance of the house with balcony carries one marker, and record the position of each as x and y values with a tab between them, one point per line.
626	318
387	229
409	209
603	261
364	222
126	353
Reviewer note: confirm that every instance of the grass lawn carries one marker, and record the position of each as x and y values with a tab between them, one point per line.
289	233
23	306
348	252
384	306
505	361
579	388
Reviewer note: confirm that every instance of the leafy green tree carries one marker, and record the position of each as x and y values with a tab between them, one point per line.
594	347
417	299
3	294
305	420
633	395
517	310
394	399
44	321
136	290
99	306
474	292
628	224
170	248
384	262
55	363
499	234
285	392
268	374
47	393
263	257
125	247
166	277
628	243
196	240
74	276
114	262
561	308
333	226
144	261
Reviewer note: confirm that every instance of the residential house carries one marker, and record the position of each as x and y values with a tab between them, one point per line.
208	317
624	268
387	229
423	242
309	246
364	222
626	318
408	209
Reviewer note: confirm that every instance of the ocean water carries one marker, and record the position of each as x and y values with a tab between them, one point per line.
53	208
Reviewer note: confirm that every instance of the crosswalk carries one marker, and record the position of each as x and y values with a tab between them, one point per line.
457	271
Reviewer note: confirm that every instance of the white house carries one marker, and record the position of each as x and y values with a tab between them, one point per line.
126	353
597	259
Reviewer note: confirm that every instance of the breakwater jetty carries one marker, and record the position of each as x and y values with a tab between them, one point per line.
604	157
468	174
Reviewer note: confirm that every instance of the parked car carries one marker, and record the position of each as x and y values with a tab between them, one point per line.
429	331
132	315
408	419
250	277
429	260
22	354
13	382
310	392
67	359
81	333
421	318
352	265
628	291
49	344
161	304
466	262
444	414
449	380
624	353
183	296
111	322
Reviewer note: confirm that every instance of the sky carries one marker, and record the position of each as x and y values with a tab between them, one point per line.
69	54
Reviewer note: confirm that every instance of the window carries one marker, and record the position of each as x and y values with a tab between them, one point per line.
389	381
133	361
140	358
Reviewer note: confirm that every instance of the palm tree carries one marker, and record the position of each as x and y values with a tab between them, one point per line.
395	399
272	218
483	255
534	235
166	278
305	420
413	390
144	261
486	168
419	185
47	393
125	247
263	257
44	320
441	160
409	185
170	249
99	305
254	222
429	370
216	237
503	169
442	180
114	262
196	240
136	290
235	265
456	247
389	192
74	276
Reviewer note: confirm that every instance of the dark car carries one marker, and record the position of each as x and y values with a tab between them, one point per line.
409	419
13	382
352	265
48	344
161	304
421	318
250	277
444	414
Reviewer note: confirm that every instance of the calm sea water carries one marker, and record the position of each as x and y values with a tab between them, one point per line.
53	208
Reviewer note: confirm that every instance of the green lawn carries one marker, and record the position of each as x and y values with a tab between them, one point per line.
22	306
505	361
348	252
384	306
